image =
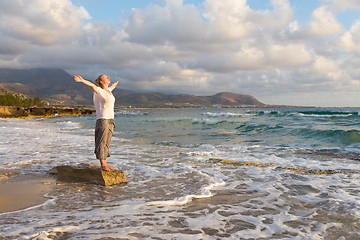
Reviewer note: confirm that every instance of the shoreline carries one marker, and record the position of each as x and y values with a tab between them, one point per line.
35	112
21	192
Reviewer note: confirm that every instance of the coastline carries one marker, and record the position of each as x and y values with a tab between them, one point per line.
172	106
34	112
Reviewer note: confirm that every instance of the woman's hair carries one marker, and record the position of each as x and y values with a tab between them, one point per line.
97	81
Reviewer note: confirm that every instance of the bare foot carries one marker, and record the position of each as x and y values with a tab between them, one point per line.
107	169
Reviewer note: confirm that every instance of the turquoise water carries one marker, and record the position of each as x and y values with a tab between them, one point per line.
176	189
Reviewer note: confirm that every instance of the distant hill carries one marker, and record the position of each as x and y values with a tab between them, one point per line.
17	89
8	91
53	85
220	99
58	87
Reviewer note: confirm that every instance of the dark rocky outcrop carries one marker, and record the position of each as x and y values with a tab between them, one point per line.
24	112
88	173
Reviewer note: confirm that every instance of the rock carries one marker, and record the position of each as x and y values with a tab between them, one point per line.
88	173
6	173
24	112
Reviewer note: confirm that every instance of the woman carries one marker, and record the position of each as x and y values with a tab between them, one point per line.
104	102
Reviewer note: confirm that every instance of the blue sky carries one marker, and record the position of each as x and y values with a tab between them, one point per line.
294	52
112	10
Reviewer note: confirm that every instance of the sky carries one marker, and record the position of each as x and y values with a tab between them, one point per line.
292	52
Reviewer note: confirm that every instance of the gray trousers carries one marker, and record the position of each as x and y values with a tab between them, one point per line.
103	132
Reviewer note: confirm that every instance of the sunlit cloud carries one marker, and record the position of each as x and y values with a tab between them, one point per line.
218	45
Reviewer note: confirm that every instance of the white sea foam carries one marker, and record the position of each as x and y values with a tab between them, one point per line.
203	150
37	142
204	192
205	121
130	112
199	153
323	115
68	124
225	114
48	234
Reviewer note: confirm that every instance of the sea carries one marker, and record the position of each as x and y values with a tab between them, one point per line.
202	173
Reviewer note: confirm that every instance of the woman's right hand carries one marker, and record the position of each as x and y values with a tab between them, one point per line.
78	78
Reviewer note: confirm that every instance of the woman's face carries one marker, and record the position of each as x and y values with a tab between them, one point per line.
105	80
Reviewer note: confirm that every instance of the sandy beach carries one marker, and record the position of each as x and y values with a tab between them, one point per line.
19	192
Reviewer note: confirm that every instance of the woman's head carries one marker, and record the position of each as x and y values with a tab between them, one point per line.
102	80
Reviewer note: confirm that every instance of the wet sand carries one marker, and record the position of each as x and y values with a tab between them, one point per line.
19	192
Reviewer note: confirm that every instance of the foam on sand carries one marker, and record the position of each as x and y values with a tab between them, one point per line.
204	192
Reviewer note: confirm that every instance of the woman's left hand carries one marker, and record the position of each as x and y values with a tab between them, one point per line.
114	85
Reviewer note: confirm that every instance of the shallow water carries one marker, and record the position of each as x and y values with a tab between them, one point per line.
176	190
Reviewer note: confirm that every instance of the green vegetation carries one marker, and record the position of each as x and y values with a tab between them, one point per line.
12	100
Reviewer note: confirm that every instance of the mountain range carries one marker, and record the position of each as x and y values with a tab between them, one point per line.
57	87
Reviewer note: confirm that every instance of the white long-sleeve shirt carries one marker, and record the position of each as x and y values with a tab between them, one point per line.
104	104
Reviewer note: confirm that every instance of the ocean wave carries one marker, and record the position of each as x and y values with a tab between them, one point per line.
204	192
203	150
68	124
225	114
264	112
329	153
56	231
207	121
306	113
198	153
346	136
130	113
328	113
257	128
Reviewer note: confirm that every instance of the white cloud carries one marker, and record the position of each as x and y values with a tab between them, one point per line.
345	4
324	23
234	19
323	65
224	45
293	26
280	16
228	18
159	25
350	40
287	55
41	22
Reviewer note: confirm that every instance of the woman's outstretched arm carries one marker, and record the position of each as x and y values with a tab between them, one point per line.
113	85
78	78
